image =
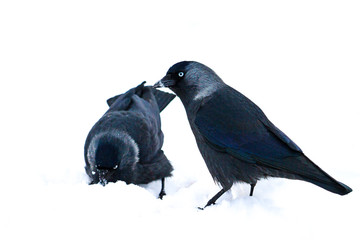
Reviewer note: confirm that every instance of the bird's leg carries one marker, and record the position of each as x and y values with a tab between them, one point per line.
252	188
162	191
214	198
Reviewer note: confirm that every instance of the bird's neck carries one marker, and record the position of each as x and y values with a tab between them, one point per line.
192	94
192	99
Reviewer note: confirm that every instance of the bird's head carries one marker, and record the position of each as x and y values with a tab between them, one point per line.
189	79
112	158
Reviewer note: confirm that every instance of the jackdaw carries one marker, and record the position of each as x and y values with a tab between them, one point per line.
235	138
125	144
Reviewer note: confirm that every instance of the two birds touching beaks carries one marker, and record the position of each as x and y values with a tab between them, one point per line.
235	138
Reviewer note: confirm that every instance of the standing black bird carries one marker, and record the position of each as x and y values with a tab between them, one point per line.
125	144
235	138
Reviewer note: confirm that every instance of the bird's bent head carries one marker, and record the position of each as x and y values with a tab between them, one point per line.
189	79
111	157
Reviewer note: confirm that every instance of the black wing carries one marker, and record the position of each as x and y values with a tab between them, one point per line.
230	122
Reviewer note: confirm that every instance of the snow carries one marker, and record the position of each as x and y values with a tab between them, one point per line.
61	60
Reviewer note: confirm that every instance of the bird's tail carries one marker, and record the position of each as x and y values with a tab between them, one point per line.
136	90
332	185
320	178
162	98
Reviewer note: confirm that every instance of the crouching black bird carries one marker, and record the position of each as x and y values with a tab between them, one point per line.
125	144
235	138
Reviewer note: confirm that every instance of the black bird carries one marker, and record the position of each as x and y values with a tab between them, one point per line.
235	138
125	144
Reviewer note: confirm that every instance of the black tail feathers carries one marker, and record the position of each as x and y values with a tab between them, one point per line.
136	90
162	98
314	174
303	168
332	185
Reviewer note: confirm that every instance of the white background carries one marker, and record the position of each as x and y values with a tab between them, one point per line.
60	60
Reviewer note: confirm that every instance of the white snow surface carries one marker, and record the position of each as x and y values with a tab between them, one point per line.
61	60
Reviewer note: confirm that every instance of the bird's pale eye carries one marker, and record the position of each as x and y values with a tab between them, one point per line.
181	74
116	166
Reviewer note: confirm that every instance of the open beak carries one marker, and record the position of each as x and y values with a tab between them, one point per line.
166	81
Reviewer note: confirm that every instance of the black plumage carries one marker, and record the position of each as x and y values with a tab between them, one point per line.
125	144
235	138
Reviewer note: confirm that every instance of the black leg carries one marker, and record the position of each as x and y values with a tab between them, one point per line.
162	191
252	188
214	198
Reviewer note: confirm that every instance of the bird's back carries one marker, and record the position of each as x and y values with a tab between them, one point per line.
230	123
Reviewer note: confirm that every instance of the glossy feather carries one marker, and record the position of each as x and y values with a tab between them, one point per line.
125	144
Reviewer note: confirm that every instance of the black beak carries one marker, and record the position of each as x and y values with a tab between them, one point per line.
166	81
102	177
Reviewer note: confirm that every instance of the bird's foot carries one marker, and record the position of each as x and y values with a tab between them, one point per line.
252	189
162	191
214	198
162	194
209	203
